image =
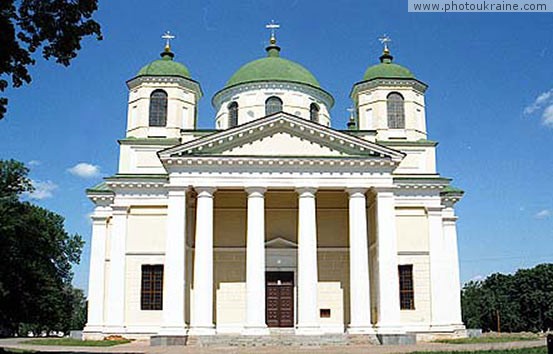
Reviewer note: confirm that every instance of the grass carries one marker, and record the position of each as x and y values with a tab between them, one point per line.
540	350
488	339
75	342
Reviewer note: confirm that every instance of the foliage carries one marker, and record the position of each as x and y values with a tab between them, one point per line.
56	26
75	342
37	256
540	350
519	302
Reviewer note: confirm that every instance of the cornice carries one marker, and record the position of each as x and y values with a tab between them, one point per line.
226	94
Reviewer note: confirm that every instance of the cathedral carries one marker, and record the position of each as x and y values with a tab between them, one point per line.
274	221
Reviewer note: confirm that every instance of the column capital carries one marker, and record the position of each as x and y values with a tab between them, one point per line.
434	210
383	190
205	192
99	218
306	192
120	209
356	192
255	191
177	191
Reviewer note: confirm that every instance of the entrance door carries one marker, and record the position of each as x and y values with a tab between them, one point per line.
280	299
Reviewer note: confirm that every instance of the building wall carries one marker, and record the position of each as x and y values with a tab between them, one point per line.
146	231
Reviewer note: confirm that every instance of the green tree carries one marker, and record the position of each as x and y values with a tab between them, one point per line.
35	277
55	26
519	302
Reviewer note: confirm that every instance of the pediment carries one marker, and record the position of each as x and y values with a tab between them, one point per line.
281	135
279	242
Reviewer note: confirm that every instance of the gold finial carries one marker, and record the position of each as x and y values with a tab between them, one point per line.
168	36
273	26
385	40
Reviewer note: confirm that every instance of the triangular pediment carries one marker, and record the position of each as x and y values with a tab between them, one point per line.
279	242
281	135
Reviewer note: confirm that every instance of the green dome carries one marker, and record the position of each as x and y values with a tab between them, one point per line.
165	66
387	70
273	68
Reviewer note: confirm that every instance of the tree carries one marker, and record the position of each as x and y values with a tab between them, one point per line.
35	277
519	302
56	26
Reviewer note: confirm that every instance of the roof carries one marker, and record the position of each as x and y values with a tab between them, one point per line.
387	70
165	66
273	68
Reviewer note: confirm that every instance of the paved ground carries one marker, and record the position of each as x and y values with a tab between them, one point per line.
143	347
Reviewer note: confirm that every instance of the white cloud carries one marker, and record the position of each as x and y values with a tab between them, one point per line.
547	116
43	190
34	163
85	170
543	214
543	103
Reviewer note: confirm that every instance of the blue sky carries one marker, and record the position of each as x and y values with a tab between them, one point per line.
489	103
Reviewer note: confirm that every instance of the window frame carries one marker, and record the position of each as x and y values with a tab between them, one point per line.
314	112
232	114
151	287
406	287
157	112
268	105
395	110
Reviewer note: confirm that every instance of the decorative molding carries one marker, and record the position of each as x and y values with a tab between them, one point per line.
184	82
227	94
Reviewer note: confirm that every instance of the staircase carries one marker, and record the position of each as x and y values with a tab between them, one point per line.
280	338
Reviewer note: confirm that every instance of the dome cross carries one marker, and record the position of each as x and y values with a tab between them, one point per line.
168	37
273	26
385	39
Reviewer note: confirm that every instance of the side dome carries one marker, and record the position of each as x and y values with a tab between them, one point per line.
273	68
387	70
165	66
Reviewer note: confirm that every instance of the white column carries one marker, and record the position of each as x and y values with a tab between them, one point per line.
388	278
202	312
308	316
115	321
96	276
174	267
438	270
450	238
255	263
360	298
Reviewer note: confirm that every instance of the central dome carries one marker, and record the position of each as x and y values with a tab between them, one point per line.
273	68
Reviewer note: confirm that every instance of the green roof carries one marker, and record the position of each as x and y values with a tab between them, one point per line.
387	70
165	66
273	68
101	187
449	189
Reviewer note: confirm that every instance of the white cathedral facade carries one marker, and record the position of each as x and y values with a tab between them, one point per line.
274	219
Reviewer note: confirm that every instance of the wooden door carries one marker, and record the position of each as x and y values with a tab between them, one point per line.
280	299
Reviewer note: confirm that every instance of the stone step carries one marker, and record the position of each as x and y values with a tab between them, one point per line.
280	339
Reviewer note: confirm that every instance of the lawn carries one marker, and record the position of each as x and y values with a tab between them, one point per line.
541	350
75	342
490	339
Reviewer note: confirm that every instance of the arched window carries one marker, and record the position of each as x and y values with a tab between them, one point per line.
158	108
314	112
396	111
273	105
232	114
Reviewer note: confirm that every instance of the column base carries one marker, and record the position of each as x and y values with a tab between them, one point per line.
173	330
202	330
389	329
360	329
93	332
114	329
262	330
307	330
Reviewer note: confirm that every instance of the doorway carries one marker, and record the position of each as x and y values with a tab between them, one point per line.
280	299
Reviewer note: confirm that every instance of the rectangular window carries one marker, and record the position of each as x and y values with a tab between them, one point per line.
151	291
406	291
